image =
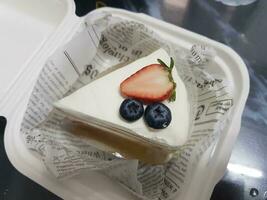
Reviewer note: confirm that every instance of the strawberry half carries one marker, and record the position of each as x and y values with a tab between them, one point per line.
152	83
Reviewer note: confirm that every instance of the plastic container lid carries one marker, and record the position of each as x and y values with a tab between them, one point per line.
26	44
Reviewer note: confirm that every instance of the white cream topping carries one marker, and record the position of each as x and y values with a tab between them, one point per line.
101	99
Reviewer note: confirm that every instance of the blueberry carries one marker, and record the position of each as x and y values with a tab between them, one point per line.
131	109
158	116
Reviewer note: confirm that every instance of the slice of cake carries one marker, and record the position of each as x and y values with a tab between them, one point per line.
145	101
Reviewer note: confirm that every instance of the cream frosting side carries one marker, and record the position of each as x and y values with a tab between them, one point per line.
101	99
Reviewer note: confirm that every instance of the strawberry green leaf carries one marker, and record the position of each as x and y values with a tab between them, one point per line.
171	64
163	64
169	69
173	94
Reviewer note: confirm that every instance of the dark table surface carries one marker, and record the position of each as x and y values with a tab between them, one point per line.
243	28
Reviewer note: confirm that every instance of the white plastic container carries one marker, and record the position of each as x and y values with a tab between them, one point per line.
26	44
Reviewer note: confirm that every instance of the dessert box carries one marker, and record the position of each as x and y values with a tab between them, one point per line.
37	66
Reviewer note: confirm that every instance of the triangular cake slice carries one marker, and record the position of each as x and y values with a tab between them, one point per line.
99	102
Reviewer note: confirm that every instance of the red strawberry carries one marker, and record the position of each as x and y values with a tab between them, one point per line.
153	83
